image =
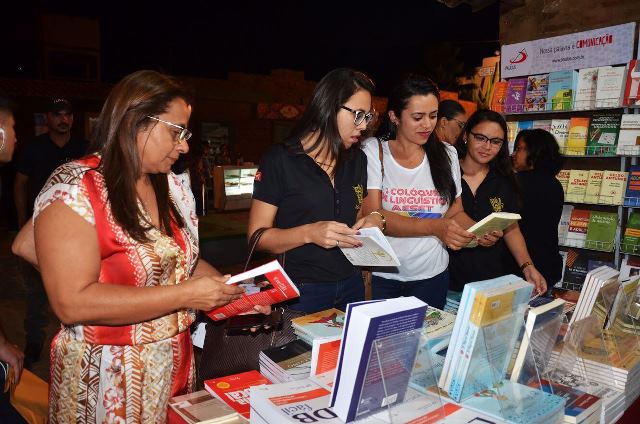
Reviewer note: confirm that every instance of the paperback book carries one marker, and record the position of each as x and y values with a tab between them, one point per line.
603	134
585	97
632	193
375	250
201	407
560	130
265	285
577	138
327	323
536	95
516	90
601	230
629	137
613	187
562	85
496	221
234	389
610	86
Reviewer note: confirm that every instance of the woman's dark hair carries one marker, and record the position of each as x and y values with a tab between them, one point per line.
502	162
543	153
450	109
320	116
124	114
439	160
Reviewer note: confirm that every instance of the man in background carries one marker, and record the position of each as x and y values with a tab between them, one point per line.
35	161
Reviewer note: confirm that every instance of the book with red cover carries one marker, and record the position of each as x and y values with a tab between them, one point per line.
234	389
265	285
632	89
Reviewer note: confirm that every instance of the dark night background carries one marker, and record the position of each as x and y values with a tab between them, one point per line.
210	38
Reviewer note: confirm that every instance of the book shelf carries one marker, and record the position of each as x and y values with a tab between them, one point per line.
598	159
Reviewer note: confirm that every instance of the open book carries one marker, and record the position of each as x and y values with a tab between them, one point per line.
263	285
375	249
492	222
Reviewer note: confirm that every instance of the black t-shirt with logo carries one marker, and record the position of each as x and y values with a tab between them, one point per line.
291	180
38	158
495	194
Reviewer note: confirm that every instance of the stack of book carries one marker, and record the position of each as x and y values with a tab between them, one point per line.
612	399
233	390
452	305
618	367
484	335
580	407
201	407
288	362
319	325
517	403
305	402
437	329
600	283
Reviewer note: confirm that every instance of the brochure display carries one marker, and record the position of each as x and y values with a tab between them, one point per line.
233	186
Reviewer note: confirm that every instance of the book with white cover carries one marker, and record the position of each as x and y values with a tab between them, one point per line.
375	249
563	226
597	279
541	331
610	86
629	136
585	97
495	221
560	130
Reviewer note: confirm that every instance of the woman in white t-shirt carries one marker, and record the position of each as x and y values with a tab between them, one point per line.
416	191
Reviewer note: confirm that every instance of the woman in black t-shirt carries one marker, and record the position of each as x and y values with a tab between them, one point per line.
309	191
489	185
536	157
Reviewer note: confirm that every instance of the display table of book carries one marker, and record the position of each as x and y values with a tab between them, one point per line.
499	360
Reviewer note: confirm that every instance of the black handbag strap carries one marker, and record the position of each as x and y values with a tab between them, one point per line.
253	243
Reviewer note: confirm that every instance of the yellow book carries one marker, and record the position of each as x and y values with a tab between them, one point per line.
594	182
577	139
563	177
490	307
614	184
492	222
577	185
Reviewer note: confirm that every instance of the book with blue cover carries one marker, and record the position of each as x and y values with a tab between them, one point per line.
489	337
456	354
370	377
562	86
632	193
517	403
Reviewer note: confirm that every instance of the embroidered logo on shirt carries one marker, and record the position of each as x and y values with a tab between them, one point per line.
258	176
496	204
357	189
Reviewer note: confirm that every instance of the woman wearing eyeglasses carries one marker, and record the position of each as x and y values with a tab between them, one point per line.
117	244
489	185
414	182
308	193
451	120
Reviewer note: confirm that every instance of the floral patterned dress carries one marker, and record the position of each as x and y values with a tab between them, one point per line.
118	374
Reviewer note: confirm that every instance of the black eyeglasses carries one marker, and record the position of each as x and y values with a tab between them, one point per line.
481	138
360	115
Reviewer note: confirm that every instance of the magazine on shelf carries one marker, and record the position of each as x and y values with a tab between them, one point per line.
379	346
495	221
264	285
375	250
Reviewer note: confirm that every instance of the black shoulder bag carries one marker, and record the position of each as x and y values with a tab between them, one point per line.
228	352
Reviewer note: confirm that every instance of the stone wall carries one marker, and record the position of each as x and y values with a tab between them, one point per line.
525	20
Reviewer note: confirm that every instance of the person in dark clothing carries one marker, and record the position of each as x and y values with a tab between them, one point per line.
35	161
536	158
309	191
489	185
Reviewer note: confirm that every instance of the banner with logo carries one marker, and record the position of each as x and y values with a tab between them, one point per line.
599	47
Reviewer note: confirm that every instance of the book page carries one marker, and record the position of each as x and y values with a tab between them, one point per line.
375	250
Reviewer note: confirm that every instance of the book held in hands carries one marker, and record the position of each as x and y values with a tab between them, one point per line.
375	249
496	221
264	285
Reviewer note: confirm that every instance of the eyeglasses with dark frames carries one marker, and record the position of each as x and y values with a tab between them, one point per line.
481	138
181	136
360	115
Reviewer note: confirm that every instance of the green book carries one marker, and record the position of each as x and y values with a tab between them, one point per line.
603	134
601	230
631	238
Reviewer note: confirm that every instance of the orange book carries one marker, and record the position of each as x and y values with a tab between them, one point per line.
577	139
499	95
234	389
